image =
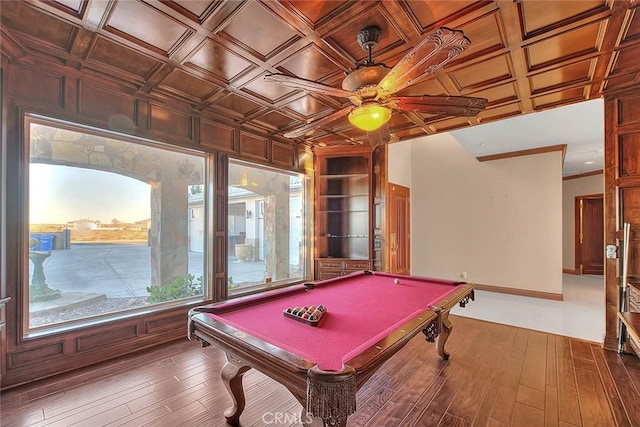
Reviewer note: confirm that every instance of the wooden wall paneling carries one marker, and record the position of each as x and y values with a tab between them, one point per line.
168	121
634	259
221	226
117	111
218	136
71	91
254	147
305	158
611	266
44	361
26	357
629	110
35	85
629	159
283	154
15	214
380	257
622	205
630	198
3	334
3	225
169	322
93	340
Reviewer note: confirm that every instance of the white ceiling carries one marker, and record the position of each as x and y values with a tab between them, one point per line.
580	126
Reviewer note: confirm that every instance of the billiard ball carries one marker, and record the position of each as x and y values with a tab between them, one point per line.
396	281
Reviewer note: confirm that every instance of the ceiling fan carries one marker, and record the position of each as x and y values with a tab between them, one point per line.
371	86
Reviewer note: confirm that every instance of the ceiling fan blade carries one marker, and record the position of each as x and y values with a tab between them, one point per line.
308	85
320	122
440	105
433	52
379	136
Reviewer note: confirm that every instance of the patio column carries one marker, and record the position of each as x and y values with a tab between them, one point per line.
169	227
276	230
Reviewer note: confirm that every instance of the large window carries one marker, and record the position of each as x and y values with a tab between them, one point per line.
115	225
266	227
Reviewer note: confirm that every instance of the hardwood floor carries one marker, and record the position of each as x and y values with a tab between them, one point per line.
498	375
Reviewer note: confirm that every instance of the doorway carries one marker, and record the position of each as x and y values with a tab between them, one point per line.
589	234
398	220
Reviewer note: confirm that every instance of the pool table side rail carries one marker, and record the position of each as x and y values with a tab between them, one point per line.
462	295
369	359
249	300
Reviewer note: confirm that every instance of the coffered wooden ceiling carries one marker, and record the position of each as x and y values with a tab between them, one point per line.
525	56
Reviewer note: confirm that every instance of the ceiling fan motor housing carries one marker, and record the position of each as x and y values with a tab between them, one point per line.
369	37
363	77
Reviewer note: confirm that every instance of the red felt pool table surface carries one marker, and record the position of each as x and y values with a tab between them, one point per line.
361	309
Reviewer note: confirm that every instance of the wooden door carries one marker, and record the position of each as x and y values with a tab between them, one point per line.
590	234
398	236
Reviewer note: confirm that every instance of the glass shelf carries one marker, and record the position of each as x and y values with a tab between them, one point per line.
348	236
344	211
342	196
345	176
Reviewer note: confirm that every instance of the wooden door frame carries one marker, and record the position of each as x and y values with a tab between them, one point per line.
577	231
388	242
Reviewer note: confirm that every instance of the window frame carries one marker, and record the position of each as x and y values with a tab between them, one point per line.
28	333
306	235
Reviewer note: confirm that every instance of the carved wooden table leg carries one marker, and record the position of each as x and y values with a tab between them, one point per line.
442	338
231	374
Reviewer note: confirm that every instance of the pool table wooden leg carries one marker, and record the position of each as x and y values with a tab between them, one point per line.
447	326
231	376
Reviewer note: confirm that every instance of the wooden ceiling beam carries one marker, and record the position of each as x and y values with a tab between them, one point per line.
512	33
617	24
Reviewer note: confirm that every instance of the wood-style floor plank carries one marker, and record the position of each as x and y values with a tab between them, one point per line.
617	407
507	391
551	407
568	404
466	404
594	406
624	378
497	376
535	360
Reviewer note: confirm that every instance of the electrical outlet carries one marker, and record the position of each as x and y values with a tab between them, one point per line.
463	275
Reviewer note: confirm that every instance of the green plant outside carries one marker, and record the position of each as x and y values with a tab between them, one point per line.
181	287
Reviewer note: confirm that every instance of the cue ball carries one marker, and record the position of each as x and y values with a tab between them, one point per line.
396	281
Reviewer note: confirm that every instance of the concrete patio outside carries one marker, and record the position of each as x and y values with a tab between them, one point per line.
87	273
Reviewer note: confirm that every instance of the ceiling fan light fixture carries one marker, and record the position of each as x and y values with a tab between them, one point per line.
369	116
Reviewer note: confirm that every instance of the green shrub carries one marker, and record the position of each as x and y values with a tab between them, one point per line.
181	287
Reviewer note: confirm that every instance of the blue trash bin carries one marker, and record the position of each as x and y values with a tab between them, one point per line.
46	243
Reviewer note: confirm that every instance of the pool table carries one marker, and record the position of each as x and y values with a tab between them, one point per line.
368	317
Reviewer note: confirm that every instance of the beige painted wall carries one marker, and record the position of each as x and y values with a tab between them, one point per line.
399	163
570	189
498	221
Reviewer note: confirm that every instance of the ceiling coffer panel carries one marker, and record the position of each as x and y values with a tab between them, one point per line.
215	56
147	27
